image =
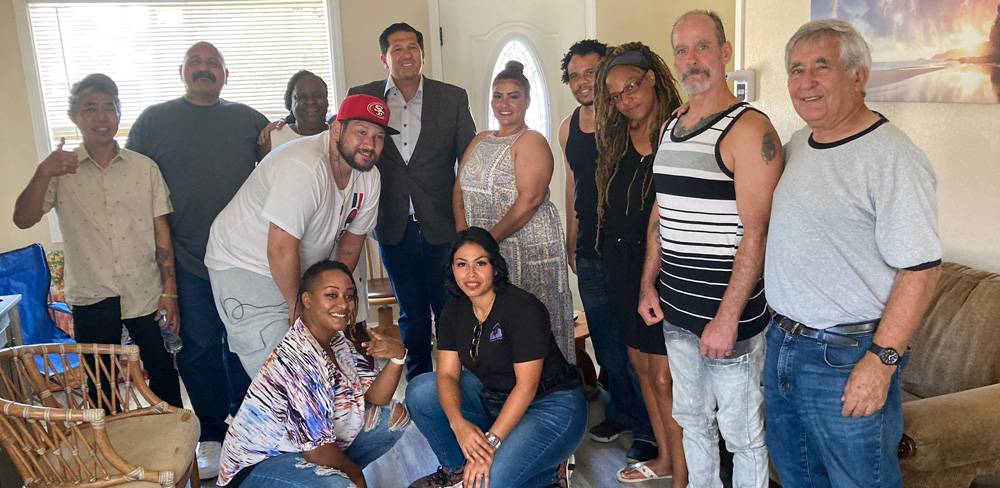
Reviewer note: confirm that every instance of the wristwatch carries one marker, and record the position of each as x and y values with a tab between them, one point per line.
888	355
493	439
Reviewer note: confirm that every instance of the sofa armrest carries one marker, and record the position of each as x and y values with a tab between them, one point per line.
951	430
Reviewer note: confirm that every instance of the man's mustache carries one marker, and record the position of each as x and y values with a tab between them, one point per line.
695	70
203	74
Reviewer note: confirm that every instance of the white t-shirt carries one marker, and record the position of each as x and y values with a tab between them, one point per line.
294	188
280	136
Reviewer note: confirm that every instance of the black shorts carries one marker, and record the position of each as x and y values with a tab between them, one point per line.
623	260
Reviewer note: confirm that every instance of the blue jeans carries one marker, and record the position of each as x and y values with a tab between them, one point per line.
811	443
213	376
416	270
550	430
292	470
625	405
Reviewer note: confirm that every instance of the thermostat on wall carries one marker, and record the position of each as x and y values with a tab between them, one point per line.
744	84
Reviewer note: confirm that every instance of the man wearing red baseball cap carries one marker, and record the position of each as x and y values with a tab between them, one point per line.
310	199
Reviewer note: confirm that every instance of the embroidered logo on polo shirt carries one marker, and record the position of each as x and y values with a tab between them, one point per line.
496	334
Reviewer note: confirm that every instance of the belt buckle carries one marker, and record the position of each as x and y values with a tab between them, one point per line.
796	328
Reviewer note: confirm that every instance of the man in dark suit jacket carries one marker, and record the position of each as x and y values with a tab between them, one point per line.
415	221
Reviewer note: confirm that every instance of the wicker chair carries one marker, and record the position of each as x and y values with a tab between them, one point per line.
55	428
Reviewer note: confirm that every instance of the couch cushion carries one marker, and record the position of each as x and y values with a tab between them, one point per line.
958	345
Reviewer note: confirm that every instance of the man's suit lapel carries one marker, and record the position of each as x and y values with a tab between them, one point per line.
390	153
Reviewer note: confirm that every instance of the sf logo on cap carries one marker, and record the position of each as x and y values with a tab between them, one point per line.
376	109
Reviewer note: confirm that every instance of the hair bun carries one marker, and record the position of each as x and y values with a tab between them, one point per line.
514	66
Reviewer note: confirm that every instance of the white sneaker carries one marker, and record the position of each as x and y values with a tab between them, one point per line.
208	459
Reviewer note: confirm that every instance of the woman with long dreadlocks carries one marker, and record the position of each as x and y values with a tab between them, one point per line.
635	95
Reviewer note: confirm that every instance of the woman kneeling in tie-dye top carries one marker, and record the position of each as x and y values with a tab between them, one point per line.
316	413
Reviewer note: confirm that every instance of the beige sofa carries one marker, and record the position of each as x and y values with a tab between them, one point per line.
951	410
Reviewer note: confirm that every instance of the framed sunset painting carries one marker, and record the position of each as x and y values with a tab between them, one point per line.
926	50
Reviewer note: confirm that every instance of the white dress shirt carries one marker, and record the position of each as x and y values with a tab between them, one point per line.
404	116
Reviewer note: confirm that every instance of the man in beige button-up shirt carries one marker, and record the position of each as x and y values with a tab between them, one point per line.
112	205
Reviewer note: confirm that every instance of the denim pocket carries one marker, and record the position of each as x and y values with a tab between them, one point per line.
728	361
845	356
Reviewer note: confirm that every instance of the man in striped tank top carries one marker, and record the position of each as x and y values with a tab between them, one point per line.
715	170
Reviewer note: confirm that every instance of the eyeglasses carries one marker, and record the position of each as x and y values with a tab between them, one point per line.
630	88
477	332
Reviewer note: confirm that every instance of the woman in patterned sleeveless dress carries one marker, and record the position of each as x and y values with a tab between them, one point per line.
502	185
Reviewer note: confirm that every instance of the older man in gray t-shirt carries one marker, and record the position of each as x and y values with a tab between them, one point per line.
852	260
846	217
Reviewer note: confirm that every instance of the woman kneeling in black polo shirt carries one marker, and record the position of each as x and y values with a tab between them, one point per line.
504	408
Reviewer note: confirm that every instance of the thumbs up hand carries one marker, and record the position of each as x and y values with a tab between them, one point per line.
59	162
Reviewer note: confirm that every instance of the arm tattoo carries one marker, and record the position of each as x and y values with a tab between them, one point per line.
768	149
165	261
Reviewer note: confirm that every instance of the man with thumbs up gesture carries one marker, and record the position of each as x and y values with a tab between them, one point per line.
112	205
59	162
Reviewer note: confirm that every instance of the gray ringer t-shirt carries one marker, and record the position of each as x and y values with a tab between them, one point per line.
846	217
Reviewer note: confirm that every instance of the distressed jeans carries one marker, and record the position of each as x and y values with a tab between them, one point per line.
719	395
290	469
812	444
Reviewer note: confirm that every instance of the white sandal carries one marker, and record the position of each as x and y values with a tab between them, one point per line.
645	471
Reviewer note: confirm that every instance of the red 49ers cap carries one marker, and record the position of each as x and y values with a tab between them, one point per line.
367	108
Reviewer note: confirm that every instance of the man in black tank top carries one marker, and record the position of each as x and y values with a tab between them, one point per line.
625	409
705	253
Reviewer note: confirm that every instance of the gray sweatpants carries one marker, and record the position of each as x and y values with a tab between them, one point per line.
254	312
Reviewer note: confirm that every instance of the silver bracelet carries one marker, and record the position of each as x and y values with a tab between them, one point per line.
493	439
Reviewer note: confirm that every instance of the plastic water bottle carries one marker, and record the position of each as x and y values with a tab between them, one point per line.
171	341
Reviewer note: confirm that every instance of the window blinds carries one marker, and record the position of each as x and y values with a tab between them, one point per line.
141	45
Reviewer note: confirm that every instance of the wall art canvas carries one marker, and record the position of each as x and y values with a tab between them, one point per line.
926	50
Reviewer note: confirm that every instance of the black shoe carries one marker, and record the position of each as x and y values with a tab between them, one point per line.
442	478
641	451
607	431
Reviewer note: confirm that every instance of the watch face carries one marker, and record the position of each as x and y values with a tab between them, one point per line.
889	356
